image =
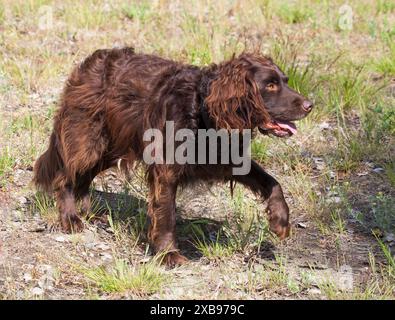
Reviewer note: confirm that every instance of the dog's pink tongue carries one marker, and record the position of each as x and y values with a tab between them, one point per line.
287	126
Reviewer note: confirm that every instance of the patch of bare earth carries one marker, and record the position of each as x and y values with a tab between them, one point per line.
36	262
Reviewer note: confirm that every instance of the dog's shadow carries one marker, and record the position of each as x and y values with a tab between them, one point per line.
193	233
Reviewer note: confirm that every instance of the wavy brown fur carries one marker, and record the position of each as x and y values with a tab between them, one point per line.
114	96
235	101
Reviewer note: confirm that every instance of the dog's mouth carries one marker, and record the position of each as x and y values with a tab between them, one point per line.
279	128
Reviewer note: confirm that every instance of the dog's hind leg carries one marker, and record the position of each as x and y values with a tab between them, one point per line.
82	146
65	202
83	182
68	194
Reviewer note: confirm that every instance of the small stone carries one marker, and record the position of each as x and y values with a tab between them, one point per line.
177	291
324	126
60	239
334	200
369	164
22	200
41	228
17	216
337	199
306	154
37	291
301	225
89	238
46	281
345	278
314	291
90	245
46	268
102	246
145	260
389	237
27	277
319	163
106	256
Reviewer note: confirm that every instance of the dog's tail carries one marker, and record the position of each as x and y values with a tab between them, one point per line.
47	166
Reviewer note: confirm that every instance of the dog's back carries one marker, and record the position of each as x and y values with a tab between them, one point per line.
103	97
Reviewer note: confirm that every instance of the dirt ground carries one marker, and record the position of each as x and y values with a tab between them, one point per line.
38	261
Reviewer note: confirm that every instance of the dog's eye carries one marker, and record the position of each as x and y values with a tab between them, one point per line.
271	87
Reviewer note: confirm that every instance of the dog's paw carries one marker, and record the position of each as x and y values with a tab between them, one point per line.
282	232
71	223
278	216
174	259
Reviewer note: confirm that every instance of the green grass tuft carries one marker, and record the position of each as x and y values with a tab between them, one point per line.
7	161
120	277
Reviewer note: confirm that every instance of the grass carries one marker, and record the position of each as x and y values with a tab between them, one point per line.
125	216
384	6
247	228
382	207
273	277
259	150
137	11
292	13
380	284
378	215
280	277
386	64
122	277
213	250
45	206
390	172
390	268
338	221
6	161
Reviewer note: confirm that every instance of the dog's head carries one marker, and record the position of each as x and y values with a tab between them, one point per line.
251	91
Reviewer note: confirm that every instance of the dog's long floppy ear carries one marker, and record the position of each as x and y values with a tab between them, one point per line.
234	100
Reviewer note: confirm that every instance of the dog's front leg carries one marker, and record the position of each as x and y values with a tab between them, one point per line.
265	185
162	214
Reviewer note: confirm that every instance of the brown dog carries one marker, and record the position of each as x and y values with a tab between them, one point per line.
114	96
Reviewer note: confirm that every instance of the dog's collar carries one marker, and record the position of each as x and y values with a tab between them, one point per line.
203	93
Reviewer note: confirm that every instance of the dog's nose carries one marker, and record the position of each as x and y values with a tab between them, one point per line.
307	105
